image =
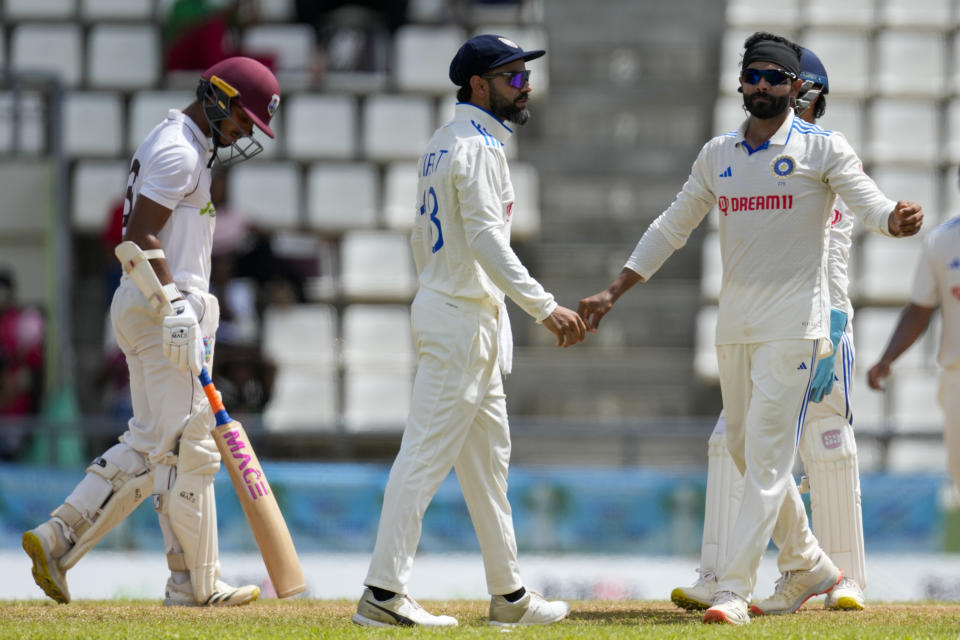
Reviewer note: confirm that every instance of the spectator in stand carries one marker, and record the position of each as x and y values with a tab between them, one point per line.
199	33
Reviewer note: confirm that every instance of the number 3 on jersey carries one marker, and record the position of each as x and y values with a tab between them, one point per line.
429	195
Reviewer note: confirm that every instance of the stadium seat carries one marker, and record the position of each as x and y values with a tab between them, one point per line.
728	113
872	328
917	184
705	356
376	265
30	136
846	116
376	399
342	196
935	14
711	267
48	47
302	335
783	14
321	126
869	406
528	37
897	55
93	124
376	335
293	44
915	405
396	127
903	131
97	10
123	56
526	192
849	13
303	398
916	456
95	187
14	10
949	194
951	139
886	268
422	57
148	109
268	192
400	195
846	55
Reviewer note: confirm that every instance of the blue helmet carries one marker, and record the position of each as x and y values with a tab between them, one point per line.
813	70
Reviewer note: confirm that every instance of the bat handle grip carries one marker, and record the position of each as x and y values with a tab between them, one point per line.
219	411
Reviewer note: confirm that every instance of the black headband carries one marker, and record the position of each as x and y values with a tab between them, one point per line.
778	53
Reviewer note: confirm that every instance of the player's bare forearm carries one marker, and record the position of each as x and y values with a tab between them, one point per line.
913	322
905	219
567	326
593	309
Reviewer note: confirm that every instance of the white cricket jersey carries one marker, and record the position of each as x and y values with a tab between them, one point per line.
838	258
461	237
170	168
937	284
775	203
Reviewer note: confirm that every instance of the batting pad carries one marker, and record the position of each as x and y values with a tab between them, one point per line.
724	492
829	454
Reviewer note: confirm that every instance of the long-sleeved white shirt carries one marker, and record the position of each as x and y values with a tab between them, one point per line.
838	259
937	284
775	203
461	238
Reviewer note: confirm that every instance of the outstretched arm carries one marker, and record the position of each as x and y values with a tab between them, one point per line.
913	322
593	309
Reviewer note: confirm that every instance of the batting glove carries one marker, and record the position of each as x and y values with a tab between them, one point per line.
182	340
823	377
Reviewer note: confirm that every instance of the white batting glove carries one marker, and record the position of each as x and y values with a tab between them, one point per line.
182	340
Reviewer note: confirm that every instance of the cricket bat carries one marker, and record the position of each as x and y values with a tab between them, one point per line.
259	505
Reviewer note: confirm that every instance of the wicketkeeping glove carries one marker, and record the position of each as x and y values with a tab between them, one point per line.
823	377
182	340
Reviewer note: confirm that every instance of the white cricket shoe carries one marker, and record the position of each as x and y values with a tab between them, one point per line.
728	608
40	544
796	587
181	595
846	596
400	610
532	608
698	597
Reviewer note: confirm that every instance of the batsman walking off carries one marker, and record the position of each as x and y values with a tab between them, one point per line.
167	449
774	181
461	333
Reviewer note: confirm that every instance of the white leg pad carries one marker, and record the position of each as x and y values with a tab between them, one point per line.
190	511
724	492
115	484
829	454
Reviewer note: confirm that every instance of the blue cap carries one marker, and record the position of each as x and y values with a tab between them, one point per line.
481	53
812	69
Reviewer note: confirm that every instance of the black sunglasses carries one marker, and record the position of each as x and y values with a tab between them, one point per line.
772	76
517	78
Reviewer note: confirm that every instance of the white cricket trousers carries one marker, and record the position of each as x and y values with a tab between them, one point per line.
949	396
764	388
458	418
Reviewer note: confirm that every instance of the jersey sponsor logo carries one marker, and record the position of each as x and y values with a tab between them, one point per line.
784	166
209	210
831	439
728	173
734	204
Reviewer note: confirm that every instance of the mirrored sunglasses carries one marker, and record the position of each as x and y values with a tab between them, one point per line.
772	76
517	78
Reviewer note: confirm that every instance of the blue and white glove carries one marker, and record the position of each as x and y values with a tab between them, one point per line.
823	377
182	340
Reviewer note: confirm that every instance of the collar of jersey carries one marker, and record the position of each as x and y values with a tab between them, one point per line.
180	116
780	137
468	111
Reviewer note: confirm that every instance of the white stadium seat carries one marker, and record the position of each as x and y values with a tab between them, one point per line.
846	116
50	48
903	131
29	136
96	187
93	124
342	196
711	268
728	113
150	108
377	335
849	13
376	399
846	56
303	398
38	9
94	10
705	356
898	53
917	184
268	192
301	334
915	405
396	127
400	195
321	126
376	265
762	13
422	55
869	406
916	13
886	268
292	44
913	456
526	209
952	139
872	328
123	56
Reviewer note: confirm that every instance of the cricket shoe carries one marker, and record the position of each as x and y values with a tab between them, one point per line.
531	609
699	596
846	596
181	595
727	608
400	610
796	587
40	544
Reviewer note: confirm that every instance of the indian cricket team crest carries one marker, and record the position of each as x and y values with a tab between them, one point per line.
784	166
507	41
273	105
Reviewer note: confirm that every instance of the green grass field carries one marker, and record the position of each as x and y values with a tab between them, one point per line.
301	618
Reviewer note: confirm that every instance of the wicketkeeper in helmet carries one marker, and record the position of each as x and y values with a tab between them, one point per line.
167	449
